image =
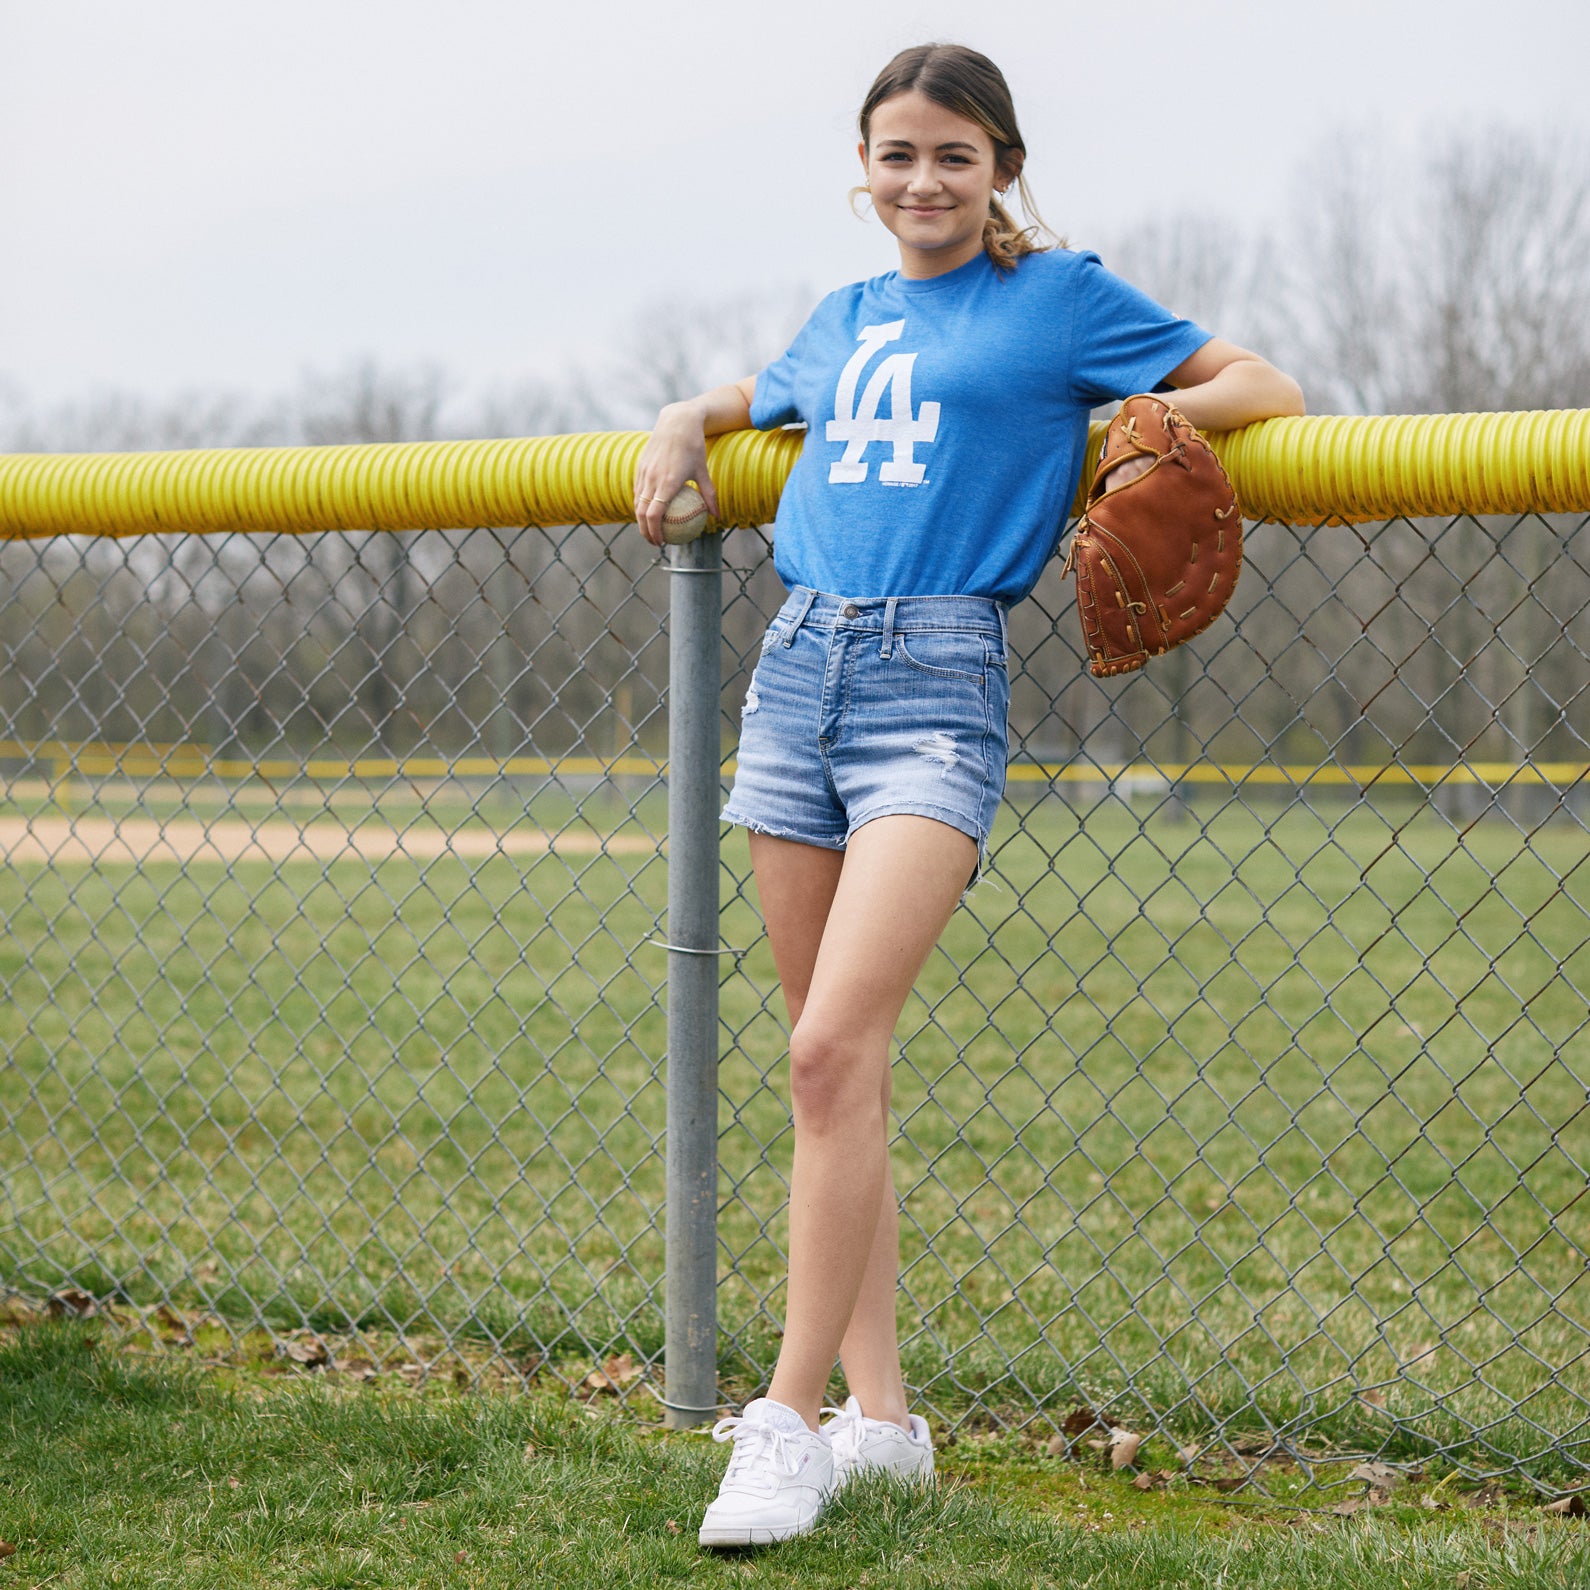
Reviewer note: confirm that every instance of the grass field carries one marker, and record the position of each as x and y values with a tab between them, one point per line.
1263	1117
120	1470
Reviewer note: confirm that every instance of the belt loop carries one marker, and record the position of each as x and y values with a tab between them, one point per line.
1004	630
800	616
888	627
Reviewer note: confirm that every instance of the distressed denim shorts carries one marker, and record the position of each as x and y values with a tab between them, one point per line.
873	707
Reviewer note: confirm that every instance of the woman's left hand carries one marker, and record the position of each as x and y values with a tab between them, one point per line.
1127	470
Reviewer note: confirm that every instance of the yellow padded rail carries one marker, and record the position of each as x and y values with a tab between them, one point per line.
1300	471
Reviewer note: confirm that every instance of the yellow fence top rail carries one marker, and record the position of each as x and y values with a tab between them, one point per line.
1299	471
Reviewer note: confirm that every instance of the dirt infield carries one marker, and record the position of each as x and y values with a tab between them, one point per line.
131	841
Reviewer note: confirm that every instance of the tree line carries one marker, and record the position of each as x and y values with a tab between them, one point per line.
1454	282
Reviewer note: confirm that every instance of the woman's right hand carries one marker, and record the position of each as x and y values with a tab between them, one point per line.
675	452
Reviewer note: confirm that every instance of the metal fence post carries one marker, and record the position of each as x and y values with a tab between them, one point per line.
695	680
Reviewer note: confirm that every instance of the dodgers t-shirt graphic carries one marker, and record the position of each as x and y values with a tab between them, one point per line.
946	421
858	424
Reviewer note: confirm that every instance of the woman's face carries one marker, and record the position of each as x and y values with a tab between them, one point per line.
931	174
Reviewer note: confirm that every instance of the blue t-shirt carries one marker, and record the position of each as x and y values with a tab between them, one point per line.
947	420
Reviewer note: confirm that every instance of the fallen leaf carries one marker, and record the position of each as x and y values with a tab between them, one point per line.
1346	1509
1056	1446
1143	1482
1378	1476
1189	1454
621	1370
616	1373
1079	1421
460	1556
1253	1443
1099	1445
233	1481
1570	1506
7	1549
1123	1448
672	1527
1431	1503
306	1349
71	1304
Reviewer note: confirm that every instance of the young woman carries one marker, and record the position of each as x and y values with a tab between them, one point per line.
946	406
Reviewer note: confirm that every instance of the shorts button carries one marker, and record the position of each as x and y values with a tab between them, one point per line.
851	610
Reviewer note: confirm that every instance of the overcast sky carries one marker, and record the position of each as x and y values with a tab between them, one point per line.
200	193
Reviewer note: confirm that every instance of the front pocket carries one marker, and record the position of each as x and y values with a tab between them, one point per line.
944	653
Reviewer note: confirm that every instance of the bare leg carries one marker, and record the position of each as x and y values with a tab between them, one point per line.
896	887
796	884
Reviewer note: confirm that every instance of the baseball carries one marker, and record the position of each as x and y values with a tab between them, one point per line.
685	517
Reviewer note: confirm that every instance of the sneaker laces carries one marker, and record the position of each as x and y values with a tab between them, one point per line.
845	1431
755	1442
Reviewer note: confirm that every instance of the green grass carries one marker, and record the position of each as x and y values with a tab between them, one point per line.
116	1471
1271	1117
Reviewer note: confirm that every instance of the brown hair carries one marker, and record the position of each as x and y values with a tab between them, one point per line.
970	85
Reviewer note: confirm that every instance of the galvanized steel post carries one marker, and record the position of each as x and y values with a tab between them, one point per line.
695	680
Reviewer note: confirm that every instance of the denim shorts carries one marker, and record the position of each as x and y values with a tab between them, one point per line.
873	707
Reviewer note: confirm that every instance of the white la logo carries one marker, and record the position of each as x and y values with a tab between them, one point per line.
857	424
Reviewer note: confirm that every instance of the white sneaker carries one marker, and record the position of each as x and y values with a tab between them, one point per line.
780	1474
863	1445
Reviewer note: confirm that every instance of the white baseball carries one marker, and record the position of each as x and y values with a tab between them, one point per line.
685	517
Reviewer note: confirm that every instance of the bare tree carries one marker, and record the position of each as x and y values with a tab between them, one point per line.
1208	270
126	422
677	347
540	408
1458	286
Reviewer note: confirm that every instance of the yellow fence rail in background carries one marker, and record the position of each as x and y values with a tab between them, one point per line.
1298	471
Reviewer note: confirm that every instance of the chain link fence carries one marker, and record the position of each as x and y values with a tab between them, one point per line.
1245	1100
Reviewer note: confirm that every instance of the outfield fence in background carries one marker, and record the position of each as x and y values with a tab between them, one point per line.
367	948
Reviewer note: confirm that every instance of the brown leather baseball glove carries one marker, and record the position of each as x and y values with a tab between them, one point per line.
1156	559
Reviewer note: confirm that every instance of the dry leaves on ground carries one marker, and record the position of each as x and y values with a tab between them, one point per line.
618	1372
1147	1481
1380	1480
306	1348
1569	1506
70	1303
